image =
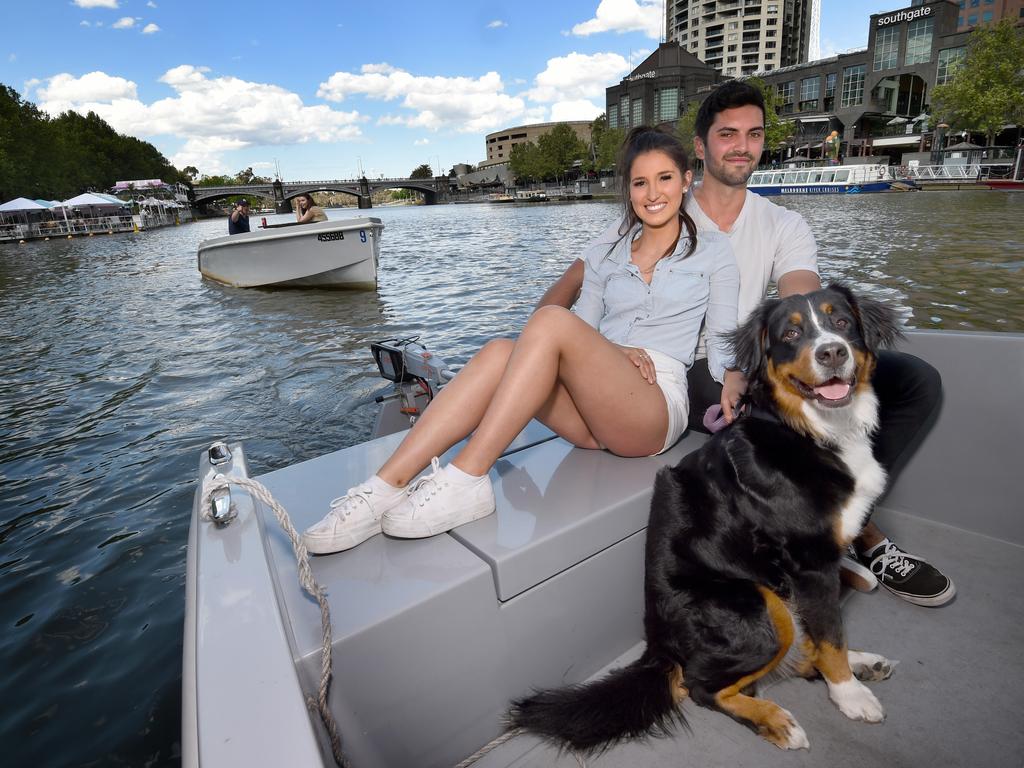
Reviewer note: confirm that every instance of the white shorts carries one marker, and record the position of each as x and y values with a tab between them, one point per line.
671	377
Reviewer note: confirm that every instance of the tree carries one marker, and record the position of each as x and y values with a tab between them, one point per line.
190	171
686	126
422	172
561	147
776	130
987	89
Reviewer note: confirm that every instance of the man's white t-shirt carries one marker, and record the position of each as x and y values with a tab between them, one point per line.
767	240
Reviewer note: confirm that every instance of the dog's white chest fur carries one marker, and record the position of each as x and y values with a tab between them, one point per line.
849	431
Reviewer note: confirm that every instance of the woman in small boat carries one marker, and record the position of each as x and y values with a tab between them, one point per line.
610	375
306	211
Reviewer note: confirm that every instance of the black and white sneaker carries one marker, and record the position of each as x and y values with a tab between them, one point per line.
908	576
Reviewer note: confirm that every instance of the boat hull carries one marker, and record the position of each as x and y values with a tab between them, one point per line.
822	189
327	254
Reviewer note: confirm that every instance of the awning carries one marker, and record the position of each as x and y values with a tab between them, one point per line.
814	119
895	141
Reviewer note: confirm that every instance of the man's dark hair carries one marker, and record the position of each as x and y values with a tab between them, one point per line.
729	95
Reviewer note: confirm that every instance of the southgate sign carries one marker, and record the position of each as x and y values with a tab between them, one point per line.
907	15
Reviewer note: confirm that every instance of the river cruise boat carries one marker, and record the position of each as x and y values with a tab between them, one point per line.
327	254
432	638
835	180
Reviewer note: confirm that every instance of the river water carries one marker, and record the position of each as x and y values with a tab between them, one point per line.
119	365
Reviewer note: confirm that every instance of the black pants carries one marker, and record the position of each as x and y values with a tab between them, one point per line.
909	394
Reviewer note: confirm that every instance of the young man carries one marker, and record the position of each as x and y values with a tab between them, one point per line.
238	221
774	245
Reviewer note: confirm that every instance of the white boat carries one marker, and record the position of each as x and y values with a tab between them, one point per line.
831	180
433	637
327	254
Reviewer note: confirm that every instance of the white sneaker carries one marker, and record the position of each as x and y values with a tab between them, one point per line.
353	519
439	502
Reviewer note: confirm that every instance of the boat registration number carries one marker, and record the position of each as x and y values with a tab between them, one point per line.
326	237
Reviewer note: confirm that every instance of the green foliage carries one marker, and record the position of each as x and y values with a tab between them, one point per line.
57	158
548	159
987	89
423	171
776	130
686	126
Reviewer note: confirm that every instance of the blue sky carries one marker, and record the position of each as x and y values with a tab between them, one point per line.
326	89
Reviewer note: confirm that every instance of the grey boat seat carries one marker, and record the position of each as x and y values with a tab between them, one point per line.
565	543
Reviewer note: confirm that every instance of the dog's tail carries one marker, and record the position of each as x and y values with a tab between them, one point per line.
641	699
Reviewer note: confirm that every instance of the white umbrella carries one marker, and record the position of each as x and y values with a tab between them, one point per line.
22	204
90	198
897	120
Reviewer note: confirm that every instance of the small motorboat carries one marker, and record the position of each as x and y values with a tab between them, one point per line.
327	254
831	180
433	637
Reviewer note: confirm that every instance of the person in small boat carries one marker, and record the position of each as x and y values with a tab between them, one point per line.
238	221
611	375
775	245
306	211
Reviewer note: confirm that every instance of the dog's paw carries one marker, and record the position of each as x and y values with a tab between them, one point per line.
870	666
785	732
856	701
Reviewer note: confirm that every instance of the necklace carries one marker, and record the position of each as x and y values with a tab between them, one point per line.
649	269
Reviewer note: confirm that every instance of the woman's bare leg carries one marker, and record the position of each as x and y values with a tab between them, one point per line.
453	413
620	409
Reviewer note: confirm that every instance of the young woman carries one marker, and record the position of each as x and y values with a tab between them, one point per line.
612	375
307	211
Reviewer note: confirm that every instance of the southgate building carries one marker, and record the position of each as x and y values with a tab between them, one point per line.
877	98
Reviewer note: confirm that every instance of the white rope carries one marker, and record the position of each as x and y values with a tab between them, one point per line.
511	733
309	583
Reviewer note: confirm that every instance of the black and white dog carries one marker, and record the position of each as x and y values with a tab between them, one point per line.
744	542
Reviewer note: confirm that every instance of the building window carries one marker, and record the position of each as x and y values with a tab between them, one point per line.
810	88
785	91
624	112
949	60
638	112
613	116
919	41
972	19
986	16
668	104
975	3
853	86
887	47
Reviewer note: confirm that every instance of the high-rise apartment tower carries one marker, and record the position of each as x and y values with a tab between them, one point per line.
740	37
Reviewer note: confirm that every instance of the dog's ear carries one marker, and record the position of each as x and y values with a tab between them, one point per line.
749	340
878	324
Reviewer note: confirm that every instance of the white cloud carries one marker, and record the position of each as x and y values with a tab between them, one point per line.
462	104
12	57
578	76
496	24
260	113
84	23
580	109
63	91
150	28
625	16
96	3
421	142
151	4
125	22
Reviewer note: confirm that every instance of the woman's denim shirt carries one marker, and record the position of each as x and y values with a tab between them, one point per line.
667	315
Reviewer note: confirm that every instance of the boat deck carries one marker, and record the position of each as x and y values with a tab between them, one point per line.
954	699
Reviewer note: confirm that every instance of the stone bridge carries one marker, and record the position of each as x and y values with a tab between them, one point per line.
434	190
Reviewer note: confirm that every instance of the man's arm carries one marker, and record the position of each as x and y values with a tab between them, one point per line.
566	289
798	281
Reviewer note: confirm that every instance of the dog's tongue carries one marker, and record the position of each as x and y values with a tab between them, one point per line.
835	390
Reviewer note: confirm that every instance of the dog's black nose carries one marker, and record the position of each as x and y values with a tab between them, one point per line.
831	355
